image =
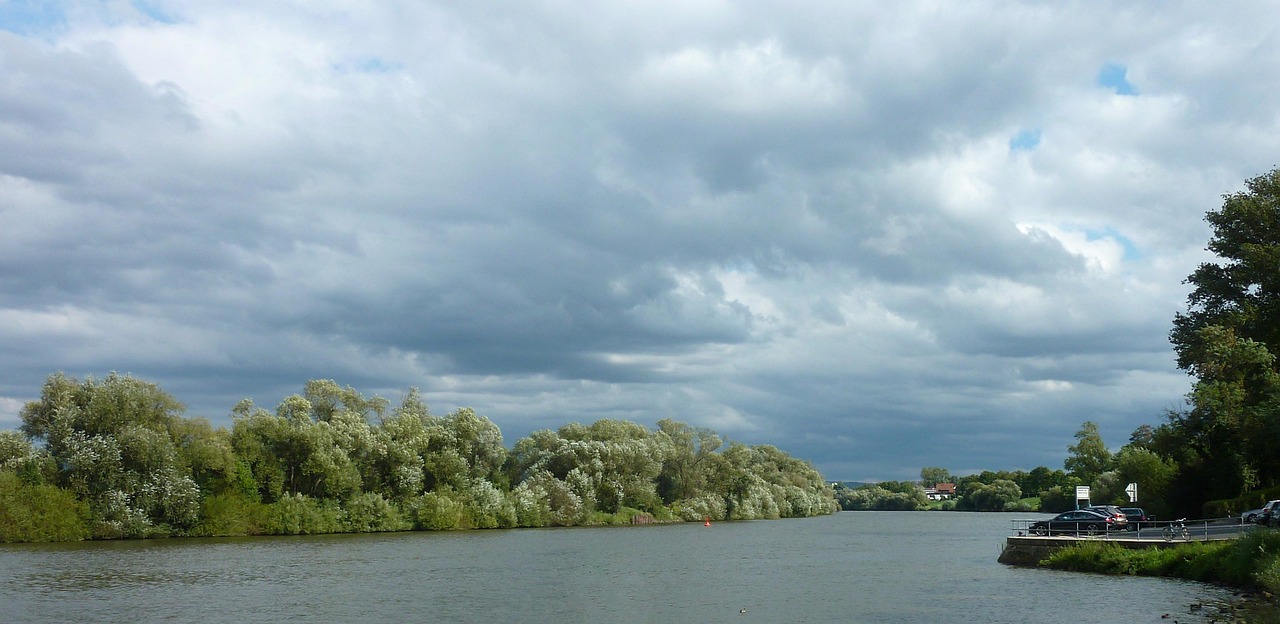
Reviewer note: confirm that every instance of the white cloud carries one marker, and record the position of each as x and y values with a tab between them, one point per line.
803	224
749	79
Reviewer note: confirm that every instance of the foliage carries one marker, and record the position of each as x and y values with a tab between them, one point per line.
1242	292
1251	561
1058	498
114	446
230	513
933	475
370	512
1153	472
1000	495
884	496
1255	499
39	513
332	460
1228	340
1088	458
298	514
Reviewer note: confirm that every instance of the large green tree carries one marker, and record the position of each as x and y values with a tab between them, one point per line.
1241	291
1228	340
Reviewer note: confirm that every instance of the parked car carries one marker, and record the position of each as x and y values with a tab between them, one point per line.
1120	520
1270	514
1136	516
1251	515
1074	523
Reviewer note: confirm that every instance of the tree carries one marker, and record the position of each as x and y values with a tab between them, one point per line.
1041	479
1151	472
1233	416
682	469
1000	495
113	442
1089	457
1228	339
1142	437
1058	498
1243	291
932	475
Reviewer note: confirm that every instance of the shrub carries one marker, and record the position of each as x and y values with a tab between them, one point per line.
1249	561
297	514
370	512
39	513
437	511
230	514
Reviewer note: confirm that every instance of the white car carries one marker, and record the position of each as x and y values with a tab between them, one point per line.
1267	515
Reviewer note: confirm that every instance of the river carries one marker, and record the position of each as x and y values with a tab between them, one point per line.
881	567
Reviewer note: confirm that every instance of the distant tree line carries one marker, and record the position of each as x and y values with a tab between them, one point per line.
988	490
115	457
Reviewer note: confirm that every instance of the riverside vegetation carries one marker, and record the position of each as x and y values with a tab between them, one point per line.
1251	563
115	458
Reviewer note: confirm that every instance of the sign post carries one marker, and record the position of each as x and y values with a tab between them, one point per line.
1082	494
1132	491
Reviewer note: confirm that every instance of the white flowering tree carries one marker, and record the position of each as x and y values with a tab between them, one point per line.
113	443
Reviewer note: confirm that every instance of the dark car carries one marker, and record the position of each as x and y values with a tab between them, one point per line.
1136	517
1120	520
1074	523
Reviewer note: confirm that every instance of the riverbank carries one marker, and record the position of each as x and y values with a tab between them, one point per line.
1250	564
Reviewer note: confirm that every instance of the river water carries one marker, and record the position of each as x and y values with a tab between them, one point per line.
906	567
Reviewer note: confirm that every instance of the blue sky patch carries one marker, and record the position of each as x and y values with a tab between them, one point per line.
1115	76
369	65
1131	252
31	17
1025	140
154	12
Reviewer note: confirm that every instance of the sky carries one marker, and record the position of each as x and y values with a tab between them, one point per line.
879	236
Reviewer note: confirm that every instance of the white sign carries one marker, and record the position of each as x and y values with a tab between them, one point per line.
1082	492
1132	491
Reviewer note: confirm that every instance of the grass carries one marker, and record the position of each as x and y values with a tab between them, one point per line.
1251	562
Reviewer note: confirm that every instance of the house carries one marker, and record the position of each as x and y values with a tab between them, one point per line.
941	491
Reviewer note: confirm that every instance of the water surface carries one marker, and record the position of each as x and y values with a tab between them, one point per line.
903	567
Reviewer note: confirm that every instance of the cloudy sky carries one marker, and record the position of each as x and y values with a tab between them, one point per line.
879	236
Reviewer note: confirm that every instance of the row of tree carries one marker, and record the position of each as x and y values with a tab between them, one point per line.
115	457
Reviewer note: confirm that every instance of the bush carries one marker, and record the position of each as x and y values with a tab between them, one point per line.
297	514
230	514
39	513
434	511
1057	499
370	512
1249	561
1229	507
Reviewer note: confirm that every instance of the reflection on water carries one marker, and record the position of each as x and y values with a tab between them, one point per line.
850	567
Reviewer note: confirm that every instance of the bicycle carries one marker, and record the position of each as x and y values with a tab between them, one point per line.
1176	530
